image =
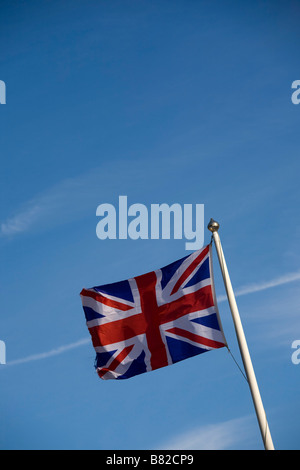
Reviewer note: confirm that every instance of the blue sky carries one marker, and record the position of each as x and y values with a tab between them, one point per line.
186	102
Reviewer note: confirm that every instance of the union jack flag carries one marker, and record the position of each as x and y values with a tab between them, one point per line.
154	320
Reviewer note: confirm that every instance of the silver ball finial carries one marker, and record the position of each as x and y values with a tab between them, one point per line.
213	226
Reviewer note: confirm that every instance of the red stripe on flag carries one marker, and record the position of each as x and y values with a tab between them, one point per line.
190	269
117	361
117	331
196	338
189	303
146	285
104	300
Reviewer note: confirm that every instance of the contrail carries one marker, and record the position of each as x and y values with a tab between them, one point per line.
52	352
252	288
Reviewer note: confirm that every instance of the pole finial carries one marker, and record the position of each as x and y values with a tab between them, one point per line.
213	226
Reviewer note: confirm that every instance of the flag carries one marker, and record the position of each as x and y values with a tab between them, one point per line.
155	319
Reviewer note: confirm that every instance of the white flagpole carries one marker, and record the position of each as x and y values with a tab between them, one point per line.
213	226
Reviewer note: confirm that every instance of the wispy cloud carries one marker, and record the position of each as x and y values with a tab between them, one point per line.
60	203
21	222
256	287
230	434
74	198
52	352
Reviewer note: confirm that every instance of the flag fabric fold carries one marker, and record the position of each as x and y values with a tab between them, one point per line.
155	319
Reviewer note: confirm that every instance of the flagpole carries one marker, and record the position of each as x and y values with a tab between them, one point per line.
213	226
